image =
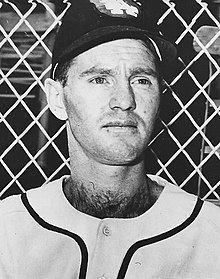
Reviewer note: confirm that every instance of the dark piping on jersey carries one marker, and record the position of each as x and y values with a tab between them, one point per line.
157	238
78	239
131	250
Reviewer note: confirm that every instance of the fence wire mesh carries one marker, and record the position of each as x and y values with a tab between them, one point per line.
185	148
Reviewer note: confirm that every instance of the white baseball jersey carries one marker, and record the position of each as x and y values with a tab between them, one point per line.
43	237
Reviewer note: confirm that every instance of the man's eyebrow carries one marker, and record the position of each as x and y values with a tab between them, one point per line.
96	70
142	70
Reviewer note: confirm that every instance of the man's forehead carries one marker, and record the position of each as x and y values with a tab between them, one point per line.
120	47
114	55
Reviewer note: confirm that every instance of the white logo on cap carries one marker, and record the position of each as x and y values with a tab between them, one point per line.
120	8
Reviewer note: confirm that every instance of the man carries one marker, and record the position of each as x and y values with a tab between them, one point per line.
108	219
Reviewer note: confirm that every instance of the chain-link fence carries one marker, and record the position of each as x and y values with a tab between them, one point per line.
185	148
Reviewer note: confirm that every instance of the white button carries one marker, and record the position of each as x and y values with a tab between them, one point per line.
106	231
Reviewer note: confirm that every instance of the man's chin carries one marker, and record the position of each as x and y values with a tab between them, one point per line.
121	157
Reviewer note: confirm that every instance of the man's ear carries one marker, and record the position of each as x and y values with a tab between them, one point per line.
54	93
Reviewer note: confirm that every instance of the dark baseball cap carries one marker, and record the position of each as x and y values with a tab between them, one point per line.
88	23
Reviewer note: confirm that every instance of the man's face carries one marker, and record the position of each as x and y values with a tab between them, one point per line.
112	98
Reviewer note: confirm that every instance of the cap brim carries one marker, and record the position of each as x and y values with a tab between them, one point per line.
109	33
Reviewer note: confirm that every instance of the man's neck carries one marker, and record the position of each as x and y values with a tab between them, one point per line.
120	198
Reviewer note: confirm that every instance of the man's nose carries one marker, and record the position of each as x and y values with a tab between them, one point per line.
123	98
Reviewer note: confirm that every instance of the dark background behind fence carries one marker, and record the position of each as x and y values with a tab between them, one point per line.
31	148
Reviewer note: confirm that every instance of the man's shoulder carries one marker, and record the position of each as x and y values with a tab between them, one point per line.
183	201
13	204
211	213
12	214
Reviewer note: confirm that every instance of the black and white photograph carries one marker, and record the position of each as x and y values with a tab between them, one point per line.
110	139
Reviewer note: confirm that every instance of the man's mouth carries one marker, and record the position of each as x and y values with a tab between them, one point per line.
120	125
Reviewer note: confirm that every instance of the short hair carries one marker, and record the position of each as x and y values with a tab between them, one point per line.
62	69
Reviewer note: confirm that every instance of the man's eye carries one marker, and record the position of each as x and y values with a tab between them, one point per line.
142	81
99	80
